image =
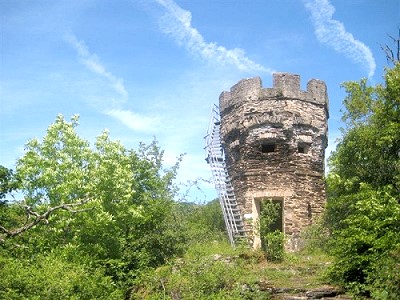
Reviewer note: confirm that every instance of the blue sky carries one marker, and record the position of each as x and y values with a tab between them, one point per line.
154	68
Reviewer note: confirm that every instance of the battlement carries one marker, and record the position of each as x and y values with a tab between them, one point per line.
285	86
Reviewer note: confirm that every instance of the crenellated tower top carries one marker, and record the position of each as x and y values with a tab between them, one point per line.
285	86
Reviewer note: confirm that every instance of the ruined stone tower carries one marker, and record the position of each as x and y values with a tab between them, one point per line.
274	141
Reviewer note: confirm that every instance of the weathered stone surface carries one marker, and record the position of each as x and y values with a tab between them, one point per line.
300	294
323	293
274	141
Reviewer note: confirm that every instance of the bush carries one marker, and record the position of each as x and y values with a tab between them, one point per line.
363	211
53	276
200	222
368	244
385	281
273	246
315	238
272	240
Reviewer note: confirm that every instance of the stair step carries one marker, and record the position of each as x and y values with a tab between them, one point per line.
215	158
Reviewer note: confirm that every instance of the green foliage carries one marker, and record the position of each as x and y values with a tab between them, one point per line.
215	270
316	238
363	211
11	215
268	216
200	222
57	169
8	182
207	271
53	276
369	237
116	206
368	151
387	284
272	240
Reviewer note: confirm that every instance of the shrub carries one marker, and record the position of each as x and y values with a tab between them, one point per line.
272	240
385	281
273	246
368	244
53	276
315	238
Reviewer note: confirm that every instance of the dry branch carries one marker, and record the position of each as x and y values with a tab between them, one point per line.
392	56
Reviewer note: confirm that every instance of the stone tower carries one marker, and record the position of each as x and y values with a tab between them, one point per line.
274	141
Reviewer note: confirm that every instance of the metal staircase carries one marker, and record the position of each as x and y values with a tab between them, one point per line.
215	157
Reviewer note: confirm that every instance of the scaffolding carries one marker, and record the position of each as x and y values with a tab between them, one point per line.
215	157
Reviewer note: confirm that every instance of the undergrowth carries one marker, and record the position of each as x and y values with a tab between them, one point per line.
215	270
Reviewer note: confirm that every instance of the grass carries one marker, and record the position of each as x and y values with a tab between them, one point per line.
298	270
216	271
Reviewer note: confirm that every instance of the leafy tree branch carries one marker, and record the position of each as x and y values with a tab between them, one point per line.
41	217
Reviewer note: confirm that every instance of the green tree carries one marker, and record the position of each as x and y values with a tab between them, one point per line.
111	204
363	189
200	223
369	149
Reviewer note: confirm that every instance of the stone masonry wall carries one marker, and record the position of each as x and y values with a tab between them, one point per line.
274	141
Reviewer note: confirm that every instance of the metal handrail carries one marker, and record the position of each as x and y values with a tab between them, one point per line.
215	157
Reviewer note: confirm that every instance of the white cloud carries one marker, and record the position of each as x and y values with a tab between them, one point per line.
333	33
134	121
177	23
91	61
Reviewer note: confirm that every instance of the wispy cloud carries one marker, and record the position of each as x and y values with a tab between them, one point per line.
132	120
177	23
91	61
334	34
